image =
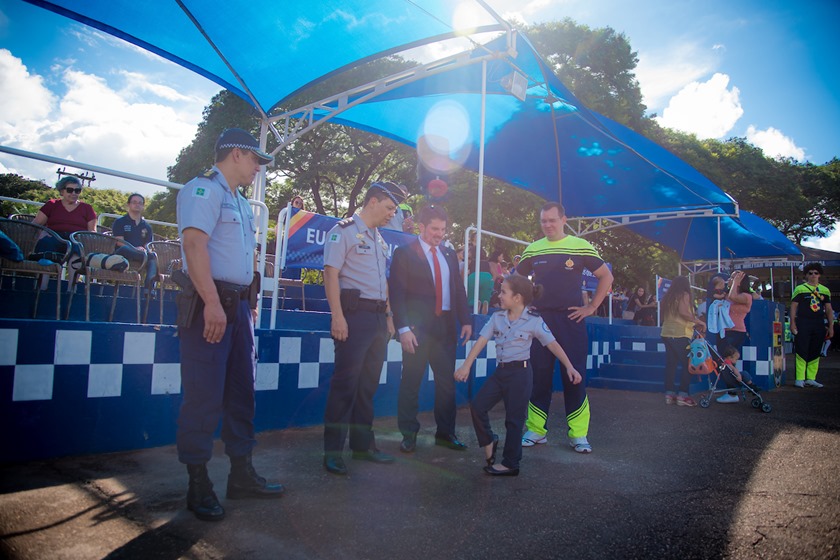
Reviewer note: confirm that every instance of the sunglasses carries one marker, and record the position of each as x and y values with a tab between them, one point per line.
77	190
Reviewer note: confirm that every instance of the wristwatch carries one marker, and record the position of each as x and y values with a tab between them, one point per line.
389	313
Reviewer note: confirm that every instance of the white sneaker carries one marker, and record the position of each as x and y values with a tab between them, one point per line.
530	439
580	444
799	383
727	398
813	383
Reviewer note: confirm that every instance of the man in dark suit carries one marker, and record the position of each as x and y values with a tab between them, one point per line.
426	296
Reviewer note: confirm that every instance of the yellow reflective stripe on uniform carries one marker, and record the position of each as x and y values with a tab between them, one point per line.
578	420
811	369
569	245
536	420
800	368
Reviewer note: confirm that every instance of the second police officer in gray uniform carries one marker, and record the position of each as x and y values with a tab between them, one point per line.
215	324
361	325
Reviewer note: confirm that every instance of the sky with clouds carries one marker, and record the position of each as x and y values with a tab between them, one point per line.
764	70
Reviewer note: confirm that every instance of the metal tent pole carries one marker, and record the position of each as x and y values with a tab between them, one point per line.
480	184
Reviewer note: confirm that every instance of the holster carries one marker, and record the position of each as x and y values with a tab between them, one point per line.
229	298
254	290
187	301
349	298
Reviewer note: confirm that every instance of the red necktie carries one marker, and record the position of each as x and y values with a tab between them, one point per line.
438	284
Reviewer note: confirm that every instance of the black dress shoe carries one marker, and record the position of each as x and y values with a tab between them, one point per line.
409	443
374	456
492	459
449	441
335	465
493	472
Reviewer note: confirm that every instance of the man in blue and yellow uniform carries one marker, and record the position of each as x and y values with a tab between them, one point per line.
361	325
216	324
557	262
810	312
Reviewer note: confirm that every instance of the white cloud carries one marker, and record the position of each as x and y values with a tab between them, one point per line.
126	129
24	96
830	243
708	109
663	73
139	84
527	12
774	143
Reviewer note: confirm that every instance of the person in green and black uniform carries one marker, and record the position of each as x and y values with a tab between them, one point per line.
809	308
557	262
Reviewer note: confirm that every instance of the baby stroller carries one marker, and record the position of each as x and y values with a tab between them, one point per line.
703	359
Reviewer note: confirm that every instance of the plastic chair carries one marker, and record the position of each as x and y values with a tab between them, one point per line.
22	217
169	259
92	243
26	236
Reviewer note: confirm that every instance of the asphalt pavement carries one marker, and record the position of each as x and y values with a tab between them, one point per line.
663	482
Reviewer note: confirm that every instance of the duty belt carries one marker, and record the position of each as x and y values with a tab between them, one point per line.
373	305
238	288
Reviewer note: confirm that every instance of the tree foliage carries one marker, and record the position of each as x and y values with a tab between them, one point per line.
597	65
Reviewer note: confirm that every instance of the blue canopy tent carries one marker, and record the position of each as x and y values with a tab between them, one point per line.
266	51
548	143
708	239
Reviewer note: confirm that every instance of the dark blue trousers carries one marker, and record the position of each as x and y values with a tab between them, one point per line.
358	365
513	386
218	383
436	348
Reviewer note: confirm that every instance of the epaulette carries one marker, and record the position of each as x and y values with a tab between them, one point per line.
209	174
345	222
534	312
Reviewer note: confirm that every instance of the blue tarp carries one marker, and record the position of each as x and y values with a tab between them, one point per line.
276	47
549	144
696	239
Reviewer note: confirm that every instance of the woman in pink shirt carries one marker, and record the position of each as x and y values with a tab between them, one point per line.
741	302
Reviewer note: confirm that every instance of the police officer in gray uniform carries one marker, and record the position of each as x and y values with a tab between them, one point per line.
361	325
216	331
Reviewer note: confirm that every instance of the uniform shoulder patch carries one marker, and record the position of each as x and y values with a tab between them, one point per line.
533	312
209	174
345	222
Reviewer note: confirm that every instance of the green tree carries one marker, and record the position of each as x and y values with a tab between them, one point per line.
15	186
597	65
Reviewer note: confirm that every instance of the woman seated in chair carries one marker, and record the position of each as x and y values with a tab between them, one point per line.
67	214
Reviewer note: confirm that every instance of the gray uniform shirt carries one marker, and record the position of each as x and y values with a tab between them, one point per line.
207	203
513	340
358	253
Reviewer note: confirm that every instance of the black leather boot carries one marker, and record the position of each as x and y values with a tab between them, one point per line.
244	482
201	500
